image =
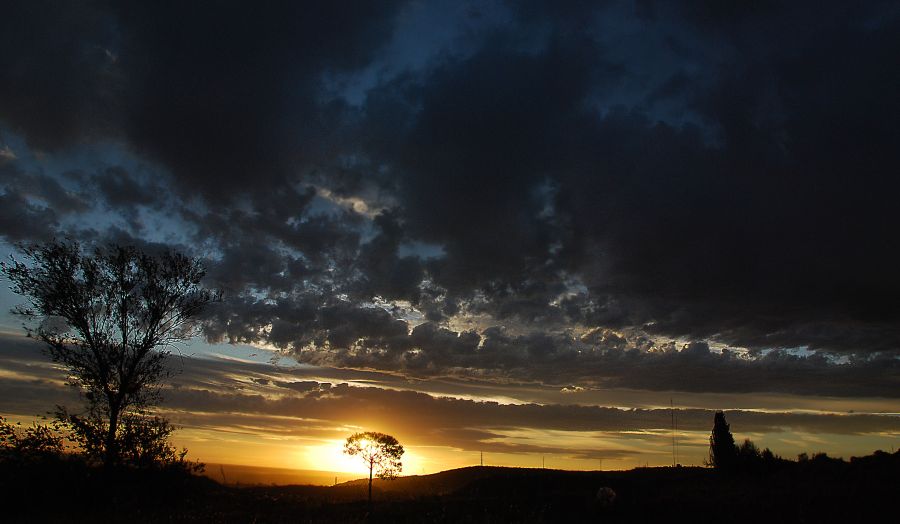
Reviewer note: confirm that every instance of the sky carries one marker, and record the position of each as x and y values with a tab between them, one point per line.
523	229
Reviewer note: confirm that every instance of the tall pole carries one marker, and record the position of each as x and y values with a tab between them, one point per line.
672	412
675	435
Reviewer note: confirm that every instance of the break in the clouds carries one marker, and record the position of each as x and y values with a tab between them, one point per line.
690	196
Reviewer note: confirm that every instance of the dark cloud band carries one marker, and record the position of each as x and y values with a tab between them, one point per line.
647	172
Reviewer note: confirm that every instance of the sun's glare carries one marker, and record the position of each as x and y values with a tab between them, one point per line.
330	456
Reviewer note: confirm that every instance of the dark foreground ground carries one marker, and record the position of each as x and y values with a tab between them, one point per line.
822	490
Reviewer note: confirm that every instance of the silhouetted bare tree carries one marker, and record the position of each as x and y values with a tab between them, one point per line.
111	317
381	454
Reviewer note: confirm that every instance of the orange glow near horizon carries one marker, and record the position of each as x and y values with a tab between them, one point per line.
328	455
648	448
296	419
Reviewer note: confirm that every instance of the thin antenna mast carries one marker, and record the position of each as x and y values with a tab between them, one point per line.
675	415
672	412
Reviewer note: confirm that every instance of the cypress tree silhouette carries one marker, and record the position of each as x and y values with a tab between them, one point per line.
722	451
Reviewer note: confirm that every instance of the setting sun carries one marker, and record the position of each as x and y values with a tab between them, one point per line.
330	456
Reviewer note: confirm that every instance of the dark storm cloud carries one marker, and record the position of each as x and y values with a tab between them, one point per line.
344	335
121	190
221	95
59	82
21	220
261	66
32	203
43	189
478	152
384	271
129	195
762	224
640	172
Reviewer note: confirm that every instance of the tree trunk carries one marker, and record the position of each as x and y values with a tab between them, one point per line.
112	453
370	483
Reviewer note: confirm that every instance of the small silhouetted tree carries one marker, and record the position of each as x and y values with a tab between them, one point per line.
748	451
381	453
722	451
111	317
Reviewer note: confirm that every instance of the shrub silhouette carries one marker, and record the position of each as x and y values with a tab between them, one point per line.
30	442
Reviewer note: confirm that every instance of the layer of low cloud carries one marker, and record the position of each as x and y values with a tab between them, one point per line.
276	402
